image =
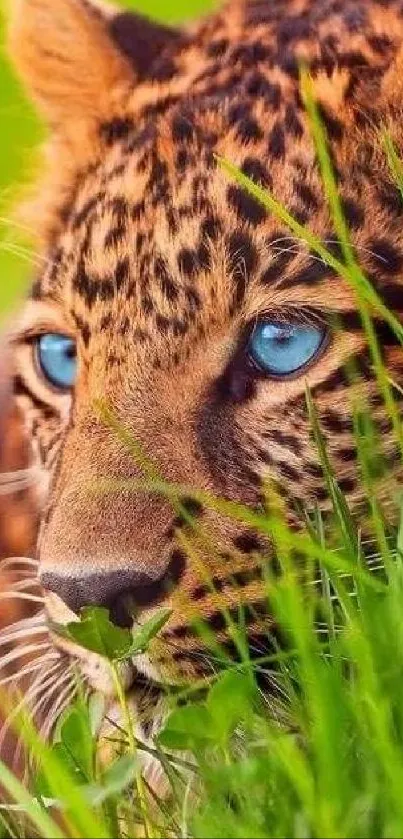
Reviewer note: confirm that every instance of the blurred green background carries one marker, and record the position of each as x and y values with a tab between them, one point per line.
21	132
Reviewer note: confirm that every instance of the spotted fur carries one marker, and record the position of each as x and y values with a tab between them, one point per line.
158	266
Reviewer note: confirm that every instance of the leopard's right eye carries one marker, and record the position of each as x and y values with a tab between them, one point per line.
282	349
57	359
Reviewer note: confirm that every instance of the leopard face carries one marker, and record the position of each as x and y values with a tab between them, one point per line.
177	323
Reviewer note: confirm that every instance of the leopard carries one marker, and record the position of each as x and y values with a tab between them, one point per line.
177	322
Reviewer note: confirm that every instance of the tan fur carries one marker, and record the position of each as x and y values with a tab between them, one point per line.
159	268
71	66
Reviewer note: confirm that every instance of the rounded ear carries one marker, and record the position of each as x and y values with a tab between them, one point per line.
64	55
77	55
18	505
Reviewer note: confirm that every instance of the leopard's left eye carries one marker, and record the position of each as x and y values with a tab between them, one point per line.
284	348
57	358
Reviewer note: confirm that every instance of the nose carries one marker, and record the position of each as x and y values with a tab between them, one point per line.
120	591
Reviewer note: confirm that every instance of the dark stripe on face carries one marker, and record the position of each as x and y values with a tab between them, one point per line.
351	322
288	441
335	423
238	579
261	644
391	293
342	376
218	620
314	272
20	388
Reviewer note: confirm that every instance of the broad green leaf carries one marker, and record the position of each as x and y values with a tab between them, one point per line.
75	748
69	761
114	781
37	815
149	630
96	632
76	739
96	712
229	702
59	751
188	728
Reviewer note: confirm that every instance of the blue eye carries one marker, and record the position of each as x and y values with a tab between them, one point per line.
282	348
57	359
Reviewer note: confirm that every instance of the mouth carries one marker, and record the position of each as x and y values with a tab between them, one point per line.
134	673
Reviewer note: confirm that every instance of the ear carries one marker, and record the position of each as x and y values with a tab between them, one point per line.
78	55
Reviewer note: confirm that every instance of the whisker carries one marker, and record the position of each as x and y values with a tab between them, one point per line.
29	668
19	474
14	563
34	710
23	250
62	701
14	486
14	655
36	689
23	633
23	253
19	595
25	623
39	684
33	621
358	248
295	239
21	577
10	222
21	585
345	575
54	711
294	249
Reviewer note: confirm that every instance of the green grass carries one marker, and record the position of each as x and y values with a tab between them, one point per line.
305	737
317	752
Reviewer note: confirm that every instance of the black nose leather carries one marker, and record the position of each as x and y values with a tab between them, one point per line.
119	591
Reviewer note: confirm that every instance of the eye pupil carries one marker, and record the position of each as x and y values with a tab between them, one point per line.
57	358
285	338
282	349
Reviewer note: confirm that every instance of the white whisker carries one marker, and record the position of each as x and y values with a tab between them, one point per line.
35	620
40	684
58	683
57	709
28	632
15	486
275	681
36	689
358	247
19	474
21	574
14	655
20	585
19	560
18	595
294	239
17	224
16	250
30	668
42	701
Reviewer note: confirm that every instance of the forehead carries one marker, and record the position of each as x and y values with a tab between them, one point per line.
155	230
